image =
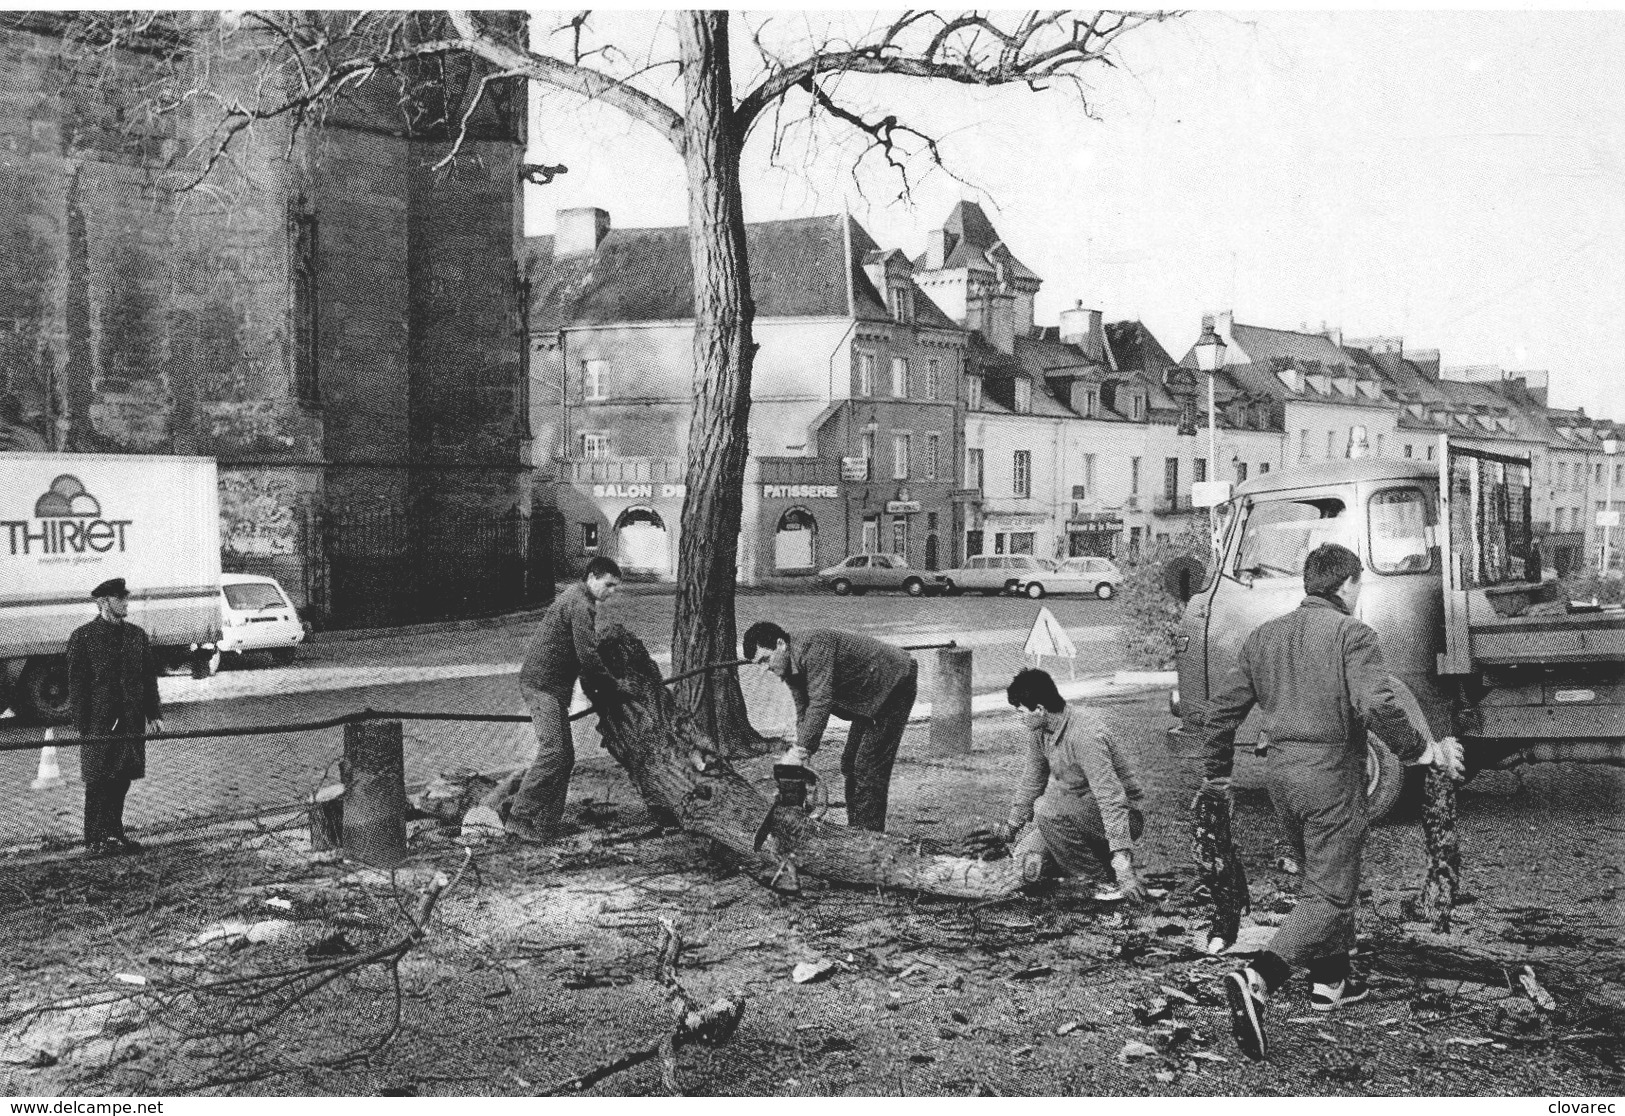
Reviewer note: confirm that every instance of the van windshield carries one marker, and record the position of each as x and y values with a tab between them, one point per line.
1279	534
253	596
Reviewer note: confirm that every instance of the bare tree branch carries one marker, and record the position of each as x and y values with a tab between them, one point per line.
577	79
1039	47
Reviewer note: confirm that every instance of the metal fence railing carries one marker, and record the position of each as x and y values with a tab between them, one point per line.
269	755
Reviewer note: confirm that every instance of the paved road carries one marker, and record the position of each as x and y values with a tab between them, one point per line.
470	672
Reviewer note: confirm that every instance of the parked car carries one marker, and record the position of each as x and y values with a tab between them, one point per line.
863	572
1099	576
256	615
991	574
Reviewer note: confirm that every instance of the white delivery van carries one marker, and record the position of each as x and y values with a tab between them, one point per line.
69	521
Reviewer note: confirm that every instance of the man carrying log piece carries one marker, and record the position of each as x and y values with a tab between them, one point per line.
1318	679
564	643
870	683
1079	790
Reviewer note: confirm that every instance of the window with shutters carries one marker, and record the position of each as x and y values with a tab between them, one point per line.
866	373
1022	474
899	377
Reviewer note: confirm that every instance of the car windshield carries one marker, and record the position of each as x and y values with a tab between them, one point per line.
252	596
1048	564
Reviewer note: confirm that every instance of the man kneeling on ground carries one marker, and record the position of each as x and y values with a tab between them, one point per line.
1079	791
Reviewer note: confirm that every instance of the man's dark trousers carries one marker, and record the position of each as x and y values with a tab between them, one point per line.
104	810
871	749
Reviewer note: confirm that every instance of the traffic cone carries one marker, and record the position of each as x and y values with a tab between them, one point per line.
50	774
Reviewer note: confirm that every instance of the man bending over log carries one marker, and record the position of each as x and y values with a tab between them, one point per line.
859	679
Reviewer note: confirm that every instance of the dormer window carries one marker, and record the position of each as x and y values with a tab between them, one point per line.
1369	388
900	302
1292	378
1136	406
1318	384
1091	403
1024	396
1344	385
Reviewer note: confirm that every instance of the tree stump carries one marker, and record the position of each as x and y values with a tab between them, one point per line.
686	779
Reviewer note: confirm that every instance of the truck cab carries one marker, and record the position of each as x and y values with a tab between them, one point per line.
1448	566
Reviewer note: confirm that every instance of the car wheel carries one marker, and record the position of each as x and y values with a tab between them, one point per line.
42	691
1384	778
1035	591
949	589
914	587
1105	591
841	586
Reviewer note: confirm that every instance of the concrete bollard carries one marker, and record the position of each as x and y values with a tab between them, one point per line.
375	794
950	705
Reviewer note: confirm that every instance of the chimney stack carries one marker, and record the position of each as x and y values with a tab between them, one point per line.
1081	327
579	232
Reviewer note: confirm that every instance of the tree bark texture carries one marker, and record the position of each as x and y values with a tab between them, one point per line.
1220	868
703	628
1438	897
684	776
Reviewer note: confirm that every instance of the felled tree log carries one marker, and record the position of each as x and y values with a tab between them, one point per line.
685	778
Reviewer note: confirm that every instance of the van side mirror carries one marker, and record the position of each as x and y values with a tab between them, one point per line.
1182	577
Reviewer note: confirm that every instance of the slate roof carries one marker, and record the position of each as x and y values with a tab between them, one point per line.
642	275
1263	345
1136	348
971	235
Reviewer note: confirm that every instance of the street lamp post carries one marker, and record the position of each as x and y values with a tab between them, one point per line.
1609	517
1209	359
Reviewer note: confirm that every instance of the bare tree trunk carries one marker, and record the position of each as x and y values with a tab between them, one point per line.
683	776
703	629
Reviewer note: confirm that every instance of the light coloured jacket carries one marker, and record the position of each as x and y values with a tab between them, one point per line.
1078	756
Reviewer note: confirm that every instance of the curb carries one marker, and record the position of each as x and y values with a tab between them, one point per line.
349	635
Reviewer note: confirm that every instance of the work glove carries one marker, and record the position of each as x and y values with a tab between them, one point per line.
796	755
1215	788
1446	755
1129	883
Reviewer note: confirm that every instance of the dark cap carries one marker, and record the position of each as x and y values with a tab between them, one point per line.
112	587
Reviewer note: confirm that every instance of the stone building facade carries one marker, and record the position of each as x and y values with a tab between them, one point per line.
856	414
335	322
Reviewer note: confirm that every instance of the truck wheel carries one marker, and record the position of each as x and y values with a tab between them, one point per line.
42	691
1384	778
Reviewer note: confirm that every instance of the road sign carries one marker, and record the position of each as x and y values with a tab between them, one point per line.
902	507
1049	638
854	468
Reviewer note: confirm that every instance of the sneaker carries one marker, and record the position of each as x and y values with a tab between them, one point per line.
1247	993
1325	997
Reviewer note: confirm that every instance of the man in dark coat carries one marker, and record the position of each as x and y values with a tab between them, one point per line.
565	642
1319	682
113	689
870	683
